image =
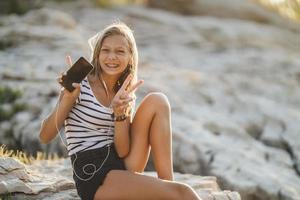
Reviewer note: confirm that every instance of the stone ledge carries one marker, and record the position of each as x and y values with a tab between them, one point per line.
53	180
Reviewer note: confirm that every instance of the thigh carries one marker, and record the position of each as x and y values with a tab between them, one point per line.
138	156
126	185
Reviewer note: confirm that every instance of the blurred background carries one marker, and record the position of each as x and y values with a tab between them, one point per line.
230	68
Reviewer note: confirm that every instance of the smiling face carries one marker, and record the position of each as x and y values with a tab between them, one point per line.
114	55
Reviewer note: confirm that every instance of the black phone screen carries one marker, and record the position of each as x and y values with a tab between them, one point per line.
79	70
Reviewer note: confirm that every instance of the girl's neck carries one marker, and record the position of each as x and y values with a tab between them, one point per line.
109	81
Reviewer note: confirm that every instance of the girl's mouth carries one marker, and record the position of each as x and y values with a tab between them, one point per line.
112	65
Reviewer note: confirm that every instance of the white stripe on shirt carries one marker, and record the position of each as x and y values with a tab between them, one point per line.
89	124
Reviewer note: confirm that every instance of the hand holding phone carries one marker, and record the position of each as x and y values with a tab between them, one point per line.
77	72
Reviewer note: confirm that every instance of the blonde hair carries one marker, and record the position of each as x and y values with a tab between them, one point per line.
96	41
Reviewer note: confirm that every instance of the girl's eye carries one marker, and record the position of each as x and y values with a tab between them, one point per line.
121	51
105	50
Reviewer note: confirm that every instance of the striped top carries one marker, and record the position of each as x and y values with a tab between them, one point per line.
89	124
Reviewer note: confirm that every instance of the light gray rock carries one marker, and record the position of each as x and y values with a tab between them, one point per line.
53	180
272	133
18	177
237	9
8	165
50	17
233	86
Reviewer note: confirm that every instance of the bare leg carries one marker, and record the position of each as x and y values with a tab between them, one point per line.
125	185
151	129
161	138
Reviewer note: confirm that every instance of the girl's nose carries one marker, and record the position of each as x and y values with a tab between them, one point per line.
111	56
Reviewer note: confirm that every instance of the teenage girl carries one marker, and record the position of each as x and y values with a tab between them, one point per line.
109	143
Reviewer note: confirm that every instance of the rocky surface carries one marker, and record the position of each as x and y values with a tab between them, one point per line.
233	86
47	179
236	9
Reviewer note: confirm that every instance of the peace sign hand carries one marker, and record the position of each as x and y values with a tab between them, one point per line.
124	97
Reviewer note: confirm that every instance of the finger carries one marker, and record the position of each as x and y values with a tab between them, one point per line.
126	101
130	103
69	60
76	85
59	80
123	107
132	95
135	86
119	102
126	82
124	96
61	77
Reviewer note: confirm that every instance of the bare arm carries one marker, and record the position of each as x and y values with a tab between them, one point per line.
122	128
55	120
122	137
53	123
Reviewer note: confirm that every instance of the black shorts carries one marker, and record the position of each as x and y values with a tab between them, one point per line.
88	182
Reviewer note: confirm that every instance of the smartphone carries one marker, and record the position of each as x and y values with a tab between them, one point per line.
78	71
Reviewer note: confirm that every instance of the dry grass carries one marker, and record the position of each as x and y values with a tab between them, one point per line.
24	157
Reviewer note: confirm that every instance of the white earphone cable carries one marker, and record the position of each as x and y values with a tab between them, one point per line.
95	170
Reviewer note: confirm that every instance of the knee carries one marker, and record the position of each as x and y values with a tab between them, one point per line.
159	100
183	191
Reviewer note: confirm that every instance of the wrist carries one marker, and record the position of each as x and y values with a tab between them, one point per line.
118	112
67	98
119	118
